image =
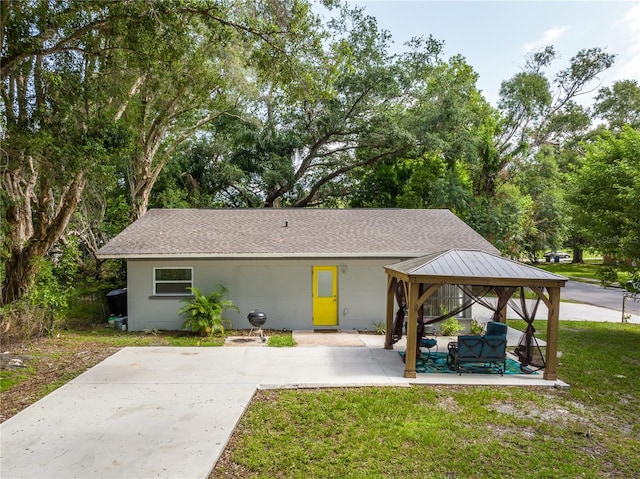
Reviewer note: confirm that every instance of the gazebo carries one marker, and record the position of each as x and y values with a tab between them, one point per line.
476	273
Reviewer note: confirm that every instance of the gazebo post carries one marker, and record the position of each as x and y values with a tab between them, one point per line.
550	370
503	314
412	332
391	287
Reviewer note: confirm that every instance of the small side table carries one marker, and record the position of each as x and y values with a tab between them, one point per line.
453	352
432	348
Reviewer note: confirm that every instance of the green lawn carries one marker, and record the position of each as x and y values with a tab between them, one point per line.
587	270
590	430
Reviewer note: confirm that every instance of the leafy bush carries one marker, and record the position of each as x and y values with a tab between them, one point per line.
476	327
39	312
22	320
380	327
451	327
204	313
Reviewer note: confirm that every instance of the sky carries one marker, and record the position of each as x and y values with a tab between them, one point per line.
495	36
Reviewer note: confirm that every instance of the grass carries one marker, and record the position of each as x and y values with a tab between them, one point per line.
591	429
121	339
281	341
10	378
587	270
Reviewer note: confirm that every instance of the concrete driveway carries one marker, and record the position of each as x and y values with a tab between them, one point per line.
169	412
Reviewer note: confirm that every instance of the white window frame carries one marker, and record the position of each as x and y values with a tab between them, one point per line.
449	295
186	282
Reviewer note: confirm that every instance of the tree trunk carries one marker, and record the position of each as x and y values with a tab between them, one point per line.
140	201
577	255
141	183
20	268
28	243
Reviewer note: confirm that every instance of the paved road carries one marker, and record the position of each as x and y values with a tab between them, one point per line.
595	295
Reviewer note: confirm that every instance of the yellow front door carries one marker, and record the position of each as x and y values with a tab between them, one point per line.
325	295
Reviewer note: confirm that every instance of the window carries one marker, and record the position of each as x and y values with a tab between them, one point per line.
447	298
325	284
172	281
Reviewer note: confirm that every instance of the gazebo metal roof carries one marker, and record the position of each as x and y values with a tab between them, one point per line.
473	267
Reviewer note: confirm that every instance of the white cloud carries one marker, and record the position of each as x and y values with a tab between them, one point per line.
628	67
549	37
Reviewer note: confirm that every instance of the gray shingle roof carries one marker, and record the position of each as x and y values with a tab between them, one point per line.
472	264
261	233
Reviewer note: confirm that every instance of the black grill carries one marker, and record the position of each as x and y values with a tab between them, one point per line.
257	319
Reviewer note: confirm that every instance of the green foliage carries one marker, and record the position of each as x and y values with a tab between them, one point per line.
451	327
476	327
607	276
605	197
620	104
504	219
380	327
204	312
546	222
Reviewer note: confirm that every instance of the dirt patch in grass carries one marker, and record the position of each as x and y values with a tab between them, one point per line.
44	365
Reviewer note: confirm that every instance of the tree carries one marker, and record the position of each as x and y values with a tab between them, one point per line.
536	112
605	197
444	115
304	137
85	84
540	180
204	73
620	104
57	124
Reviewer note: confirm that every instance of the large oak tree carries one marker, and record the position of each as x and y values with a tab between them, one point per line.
86	84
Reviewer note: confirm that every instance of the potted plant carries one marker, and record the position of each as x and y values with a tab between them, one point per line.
203	313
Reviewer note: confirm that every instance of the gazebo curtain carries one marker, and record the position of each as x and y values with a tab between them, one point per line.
401	300
503	293
528	349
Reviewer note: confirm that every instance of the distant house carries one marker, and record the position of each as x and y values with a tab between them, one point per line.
305	268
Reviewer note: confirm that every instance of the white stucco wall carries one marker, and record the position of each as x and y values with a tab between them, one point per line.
280	288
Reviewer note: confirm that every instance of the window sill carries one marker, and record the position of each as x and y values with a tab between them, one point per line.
170	296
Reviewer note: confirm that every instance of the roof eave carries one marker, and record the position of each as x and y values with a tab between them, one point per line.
151	256
478	280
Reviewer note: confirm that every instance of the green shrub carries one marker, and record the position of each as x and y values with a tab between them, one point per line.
22	320
204	313
476	327
380	327
451	327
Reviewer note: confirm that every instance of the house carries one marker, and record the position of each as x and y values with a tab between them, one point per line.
305	268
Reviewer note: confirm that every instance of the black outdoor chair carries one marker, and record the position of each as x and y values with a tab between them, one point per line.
490	349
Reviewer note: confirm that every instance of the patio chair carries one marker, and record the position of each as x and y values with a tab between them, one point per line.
490	349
